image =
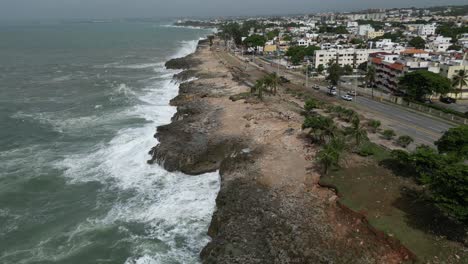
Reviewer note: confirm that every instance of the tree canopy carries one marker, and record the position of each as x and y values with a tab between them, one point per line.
417	42
454	141
255	41
334	73
419	84
298	53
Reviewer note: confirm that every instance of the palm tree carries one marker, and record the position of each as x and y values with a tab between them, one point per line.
274	80
459	80
358	131
258	87
321	126
370	77
330	155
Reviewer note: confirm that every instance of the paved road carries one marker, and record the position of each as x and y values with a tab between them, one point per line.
423	128
419	126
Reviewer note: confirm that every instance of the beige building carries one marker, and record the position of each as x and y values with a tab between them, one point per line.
270	48
375	34
449	71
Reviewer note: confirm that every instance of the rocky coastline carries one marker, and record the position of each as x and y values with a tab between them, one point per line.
270	208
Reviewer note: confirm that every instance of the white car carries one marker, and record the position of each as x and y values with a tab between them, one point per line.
331	92
347	97
352	93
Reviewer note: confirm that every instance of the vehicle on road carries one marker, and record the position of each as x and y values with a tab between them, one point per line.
347	97
283	79
448	100
331	92
352	93
316	87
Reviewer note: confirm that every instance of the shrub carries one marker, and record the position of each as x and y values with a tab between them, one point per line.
388	134
374	125
366	150
311	104
404	141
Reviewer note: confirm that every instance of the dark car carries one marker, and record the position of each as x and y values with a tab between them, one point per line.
284	79
448	100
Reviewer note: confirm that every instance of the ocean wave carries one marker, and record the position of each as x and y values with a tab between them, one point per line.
174	208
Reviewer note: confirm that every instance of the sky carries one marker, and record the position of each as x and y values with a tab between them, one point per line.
59	9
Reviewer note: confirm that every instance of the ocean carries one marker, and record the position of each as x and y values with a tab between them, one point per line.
79	105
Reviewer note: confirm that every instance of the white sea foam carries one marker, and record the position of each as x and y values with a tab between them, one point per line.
172	206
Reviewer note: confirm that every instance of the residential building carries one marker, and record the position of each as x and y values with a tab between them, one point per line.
463	40
390	68
452	68
349	56
426	29
363	30
375	34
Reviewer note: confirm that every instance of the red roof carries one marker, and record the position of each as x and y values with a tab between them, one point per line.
414	51
397	66
376	60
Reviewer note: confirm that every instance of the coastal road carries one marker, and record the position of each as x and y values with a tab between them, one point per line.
423	128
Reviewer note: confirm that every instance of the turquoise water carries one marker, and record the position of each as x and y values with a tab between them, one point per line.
79	104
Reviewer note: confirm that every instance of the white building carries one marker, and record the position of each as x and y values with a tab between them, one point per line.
463	40
350	56
363	30
426	30
352	24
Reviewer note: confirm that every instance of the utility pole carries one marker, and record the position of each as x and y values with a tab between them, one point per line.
307	74
279	60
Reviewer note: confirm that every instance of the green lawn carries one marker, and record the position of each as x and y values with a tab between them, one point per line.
394	205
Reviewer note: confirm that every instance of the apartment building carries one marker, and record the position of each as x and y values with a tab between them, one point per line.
349	56
426	30
391	67
363	30
452	68
375	34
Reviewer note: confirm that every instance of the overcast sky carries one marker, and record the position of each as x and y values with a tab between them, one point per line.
32	9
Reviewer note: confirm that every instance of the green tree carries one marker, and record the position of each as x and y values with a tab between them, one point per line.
459	80
272	34
454	141
347	70
388	134
374	125
356	41
357	131
255	41
320	68
370	78
311	104
419	84
334	73
298	53
321	127
287	38
404	141
330	155
454	47
449	190
271	81
417	42
259	88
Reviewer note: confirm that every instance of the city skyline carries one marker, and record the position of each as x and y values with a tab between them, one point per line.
107	9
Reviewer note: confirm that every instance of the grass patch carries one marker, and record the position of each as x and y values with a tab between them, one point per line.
394	205
368	148
239	96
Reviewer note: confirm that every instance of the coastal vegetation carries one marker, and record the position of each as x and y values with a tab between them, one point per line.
269	83
420	84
